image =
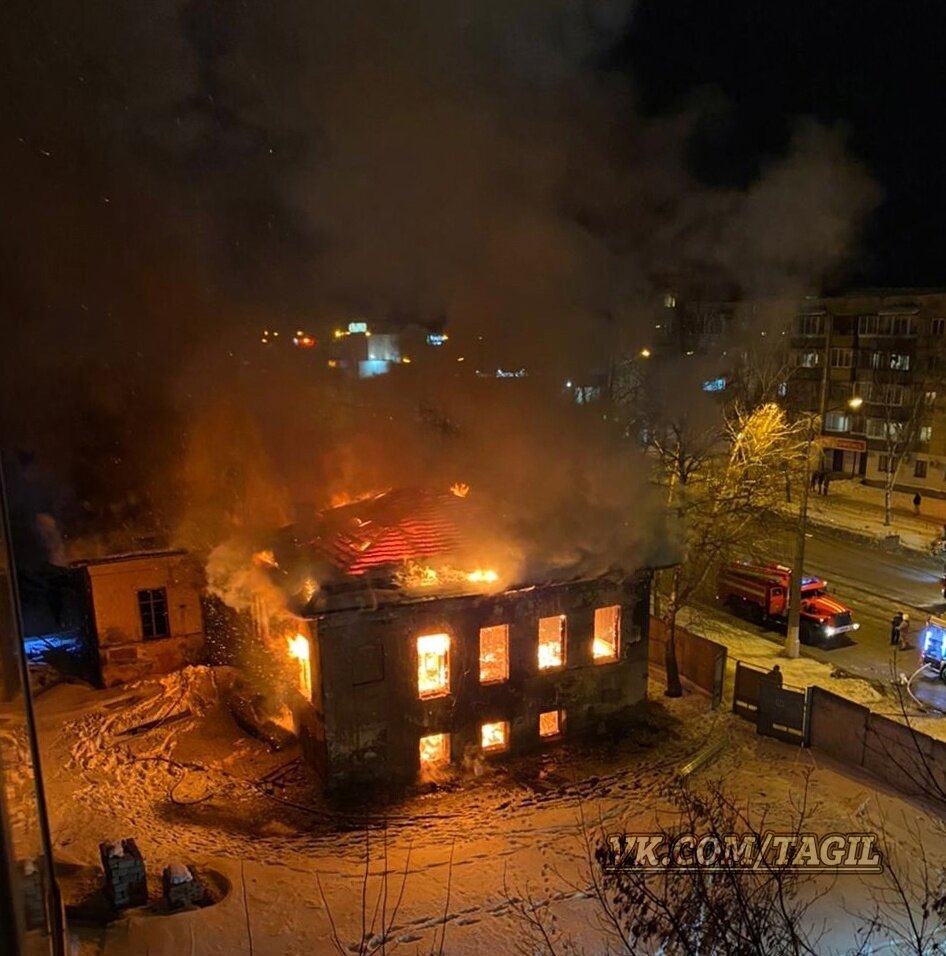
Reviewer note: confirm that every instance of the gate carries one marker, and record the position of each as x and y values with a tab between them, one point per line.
780	712
783	713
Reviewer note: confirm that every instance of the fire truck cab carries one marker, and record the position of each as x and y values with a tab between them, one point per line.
761	593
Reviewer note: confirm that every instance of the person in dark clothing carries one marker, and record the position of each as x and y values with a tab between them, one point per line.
895	629
827	481
814	483
820	481
775	675
917	501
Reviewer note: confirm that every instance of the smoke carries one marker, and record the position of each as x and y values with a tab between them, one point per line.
183	178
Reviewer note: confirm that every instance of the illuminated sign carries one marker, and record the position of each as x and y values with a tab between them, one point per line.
714	385
434	338
355	327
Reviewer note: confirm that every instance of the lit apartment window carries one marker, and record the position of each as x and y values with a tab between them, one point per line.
434	750
494	736
494	654
551	641
550	723
153	612
926	432
836	422
433	665
807	359
930	398
607	631
900	361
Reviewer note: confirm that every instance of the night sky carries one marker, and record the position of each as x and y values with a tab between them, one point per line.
876	69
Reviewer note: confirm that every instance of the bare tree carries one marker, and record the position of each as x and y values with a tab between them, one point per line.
723	486
901	410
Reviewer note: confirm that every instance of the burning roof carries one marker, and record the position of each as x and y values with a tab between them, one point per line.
394	528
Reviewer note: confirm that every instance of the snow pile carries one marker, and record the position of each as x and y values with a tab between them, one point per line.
178	873
116	849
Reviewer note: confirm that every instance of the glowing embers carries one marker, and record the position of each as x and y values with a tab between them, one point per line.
551	642
494	736
299	650
607	633
494	654
551	723
435	750
433	665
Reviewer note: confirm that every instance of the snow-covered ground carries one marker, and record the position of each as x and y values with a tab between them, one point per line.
859	509
190	790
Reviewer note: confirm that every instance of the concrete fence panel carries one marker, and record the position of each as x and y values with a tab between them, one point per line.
837	726
905	758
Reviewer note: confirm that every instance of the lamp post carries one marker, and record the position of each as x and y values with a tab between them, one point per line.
792	637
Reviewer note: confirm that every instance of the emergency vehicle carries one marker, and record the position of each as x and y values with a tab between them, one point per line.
761	593
933	646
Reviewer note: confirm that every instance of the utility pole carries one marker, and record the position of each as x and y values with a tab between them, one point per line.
793	635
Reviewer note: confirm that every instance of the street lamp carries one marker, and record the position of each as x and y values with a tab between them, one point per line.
792	638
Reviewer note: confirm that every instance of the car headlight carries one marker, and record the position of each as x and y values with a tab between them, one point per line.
829	630
855	626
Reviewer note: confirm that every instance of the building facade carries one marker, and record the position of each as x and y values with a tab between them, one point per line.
889	351
146	613
408	687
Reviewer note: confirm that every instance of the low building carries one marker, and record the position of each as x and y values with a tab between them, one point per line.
146	615
446	667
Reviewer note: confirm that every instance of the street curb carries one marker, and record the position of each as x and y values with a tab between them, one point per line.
862	537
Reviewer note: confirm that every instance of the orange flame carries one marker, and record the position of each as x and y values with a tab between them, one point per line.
460	489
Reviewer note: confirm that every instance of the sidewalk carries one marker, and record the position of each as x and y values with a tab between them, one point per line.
859	509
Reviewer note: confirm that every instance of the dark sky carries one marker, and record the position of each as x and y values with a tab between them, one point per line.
179	175
876	68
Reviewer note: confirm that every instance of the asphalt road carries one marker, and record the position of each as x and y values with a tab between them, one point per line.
875	584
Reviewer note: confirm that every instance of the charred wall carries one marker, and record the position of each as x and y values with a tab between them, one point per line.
372	714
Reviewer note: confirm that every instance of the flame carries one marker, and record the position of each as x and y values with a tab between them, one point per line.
460	489
343	498
299	647
309	587
265	559
299	650
423	576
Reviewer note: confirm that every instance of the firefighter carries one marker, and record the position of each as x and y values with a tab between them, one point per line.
905	633
895	629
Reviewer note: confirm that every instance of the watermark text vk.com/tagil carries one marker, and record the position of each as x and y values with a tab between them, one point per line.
809	852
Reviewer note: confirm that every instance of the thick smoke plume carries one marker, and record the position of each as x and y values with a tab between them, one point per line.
188	174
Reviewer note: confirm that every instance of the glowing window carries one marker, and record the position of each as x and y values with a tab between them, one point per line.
607	629
550	723
551	641
434	749
433	665
494	736
494	654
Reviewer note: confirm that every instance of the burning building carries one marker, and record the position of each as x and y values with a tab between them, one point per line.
415	658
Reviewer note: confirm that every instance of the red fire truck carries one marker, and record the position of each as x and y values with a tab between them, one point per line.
761	593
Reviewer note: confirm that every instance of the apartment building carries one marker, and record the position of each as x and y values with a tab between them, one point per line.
889	350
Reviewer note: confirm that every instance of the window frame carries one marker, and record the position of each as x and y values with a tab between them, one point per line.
504	628
150	604
616	632
563	638
443	688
